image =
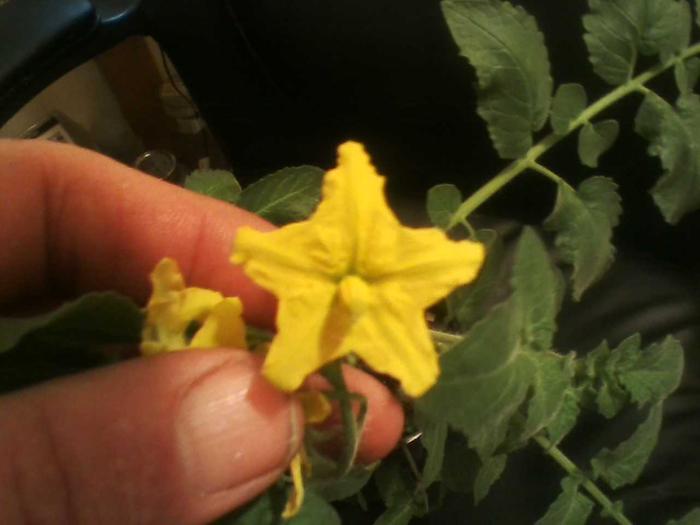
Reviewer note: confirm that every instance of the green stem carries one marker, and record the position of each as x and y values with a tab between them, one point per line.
570	467
351	429
528	160
544	170
445	337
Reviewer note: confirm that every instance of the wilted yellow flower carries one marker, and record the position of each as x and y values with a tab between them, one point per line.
352	279
178	317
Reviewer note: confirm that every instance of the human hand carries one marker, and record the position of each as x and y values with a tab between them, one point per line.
179	438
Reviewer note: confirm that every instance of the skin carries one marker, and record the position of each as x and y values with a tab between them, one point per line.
179	438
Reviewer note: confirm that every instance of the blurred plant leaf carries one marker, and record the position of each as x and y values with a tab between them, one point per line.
287	195
674	137
220	184
400	513
443	200
568	103
491	469
583	221
315	510
565	418
618	31
570	508
624	464
434	435
595	139
686	73
692	518
503	43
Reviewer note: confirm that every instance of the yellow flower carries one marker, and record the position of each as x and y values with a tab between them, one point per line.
179	317
352	279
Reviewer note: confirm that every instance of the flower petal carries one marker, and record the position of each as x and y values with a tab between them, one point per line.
296	497
223	327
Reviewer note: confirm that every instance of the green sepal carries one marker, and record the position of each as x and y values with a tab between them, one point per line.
219	184
287	195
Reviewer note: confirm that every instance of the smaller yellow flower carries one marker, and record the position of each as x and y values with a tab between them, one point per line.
179	317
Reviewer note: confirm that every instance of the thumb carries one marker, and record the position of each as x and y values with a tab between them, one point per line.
180	438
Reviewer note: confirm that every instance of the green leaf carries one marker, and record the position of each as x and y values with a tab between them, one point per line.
618	31
400	513
443	200
568	103
394	481
503	43
287	195
93	319
265	510
488	474
565	418
570	508
584	220
624	464
470	303
461	465
674	137
220	184
433	440
686	73
339	488
315	510
596	139
692	518
486	377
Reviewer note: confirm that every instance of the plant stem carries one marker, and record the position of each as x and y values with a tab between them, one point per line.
445	337
528	160
570	467
351	430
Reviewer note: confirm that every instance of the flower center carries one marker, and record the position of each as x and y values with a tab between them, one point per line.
355	293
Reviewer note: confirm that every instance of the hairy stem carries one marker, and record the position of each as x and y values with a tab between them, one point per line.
570	467
529	160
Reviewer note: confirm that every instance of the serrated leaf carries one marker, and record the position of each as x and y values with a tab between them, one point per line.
219	184
488	474
686	74
93	319
433	440
568	103
486	377
674	136
503	43
400	513
443	200
624	464
584	220
315	510
570	508
565	418
287	195
618	31
596	139
692	518
470	303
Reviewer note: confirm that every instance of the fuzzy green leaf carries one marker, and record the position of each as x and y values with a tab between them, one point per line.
443	200
584	220
569	101
461	465
687	73
674	137
287	195
220	184
565	418
618	31
692	518
338	488
313	511
503	43
433	440
596	139
394	481
487	376
570	508
624	464
470	303
491	469
400	513
93	319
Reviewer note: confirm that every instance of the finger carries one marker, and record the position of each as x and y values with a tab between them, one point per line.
384	420
181	438
73	221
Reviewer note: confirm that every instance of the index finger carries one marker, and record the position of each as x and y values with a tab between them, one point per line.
72	221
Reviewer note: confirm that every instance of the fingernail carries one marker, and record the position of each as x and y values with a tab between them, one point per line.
234	427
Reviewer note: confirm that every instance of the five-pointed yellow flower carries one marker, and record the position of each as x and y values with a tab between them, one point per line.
351	279
179	317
